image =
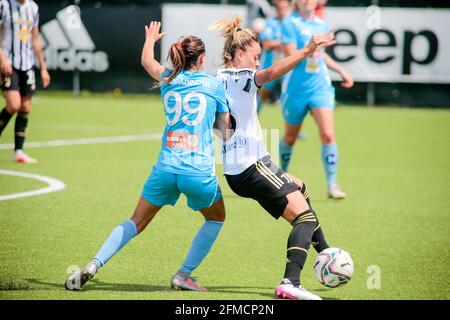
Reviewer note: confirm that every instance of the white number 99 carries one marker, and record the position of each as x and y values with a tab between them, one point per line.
184	103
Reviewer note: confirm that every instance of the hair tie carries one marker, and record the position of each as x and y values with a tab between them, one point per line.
238	29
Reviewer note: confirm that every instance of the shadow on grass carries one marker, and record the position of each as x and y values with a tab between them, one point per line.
98	285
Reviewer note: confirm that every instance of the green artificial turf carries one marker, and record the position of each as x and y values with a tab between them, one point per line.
394	165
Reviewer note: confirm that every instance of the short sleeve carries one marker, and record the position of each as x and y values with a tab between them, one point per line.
254	80
36	19
287	32
221	98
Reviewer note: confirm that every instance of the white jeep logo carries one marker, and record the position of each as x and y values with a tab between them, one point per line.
68	46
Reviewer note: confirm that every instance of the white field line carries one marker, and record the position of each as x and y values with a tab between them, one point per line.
53	185
60	143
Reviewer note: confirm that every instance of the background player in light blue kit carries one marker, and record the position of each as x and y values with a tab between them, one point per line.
191	100
308	88
272	51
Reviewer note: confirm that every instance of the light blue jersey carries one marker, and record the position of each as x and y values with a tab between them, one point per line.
312	73
308	85
190	101
271	32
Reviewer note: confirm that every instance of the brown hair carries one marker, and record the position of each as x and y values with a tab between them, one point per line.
235	37
184	55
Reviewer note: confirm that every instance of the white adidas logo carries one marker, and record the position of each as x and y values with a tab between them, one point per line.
68	45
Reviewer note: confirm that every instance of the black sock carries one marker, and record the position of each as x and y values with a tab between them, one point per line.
4	119
318	238
298	245
20	129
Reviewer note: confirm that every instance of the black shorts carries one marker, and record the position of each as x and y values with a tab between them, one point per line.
265	183
22	81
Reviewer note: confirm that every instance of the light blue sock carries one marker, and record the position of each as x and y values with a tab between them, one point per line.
116	240
330	162
201	245
285	154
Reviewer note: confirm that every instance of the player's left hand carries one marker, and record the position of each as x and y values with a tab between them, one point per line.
45	76
347	80
152	31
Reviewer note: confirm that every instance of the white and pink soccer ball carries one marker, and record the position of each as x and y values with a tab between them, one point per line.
333	267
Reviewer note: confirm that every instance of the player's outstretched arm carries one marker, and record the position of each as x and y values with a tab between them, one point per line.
285	65
347	80
152	35
37	47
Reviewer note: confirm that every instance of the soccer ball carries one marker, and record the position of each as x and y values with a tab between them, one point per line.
333	267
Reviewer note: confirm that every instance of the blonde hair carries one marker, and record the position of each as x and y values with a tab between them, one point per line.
184	55
236	38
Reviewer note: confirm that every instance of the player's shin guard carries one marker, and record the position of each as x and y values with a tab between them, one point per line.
201	245
298	245
116	240
330	162
4	119
285	154
318	239
20	130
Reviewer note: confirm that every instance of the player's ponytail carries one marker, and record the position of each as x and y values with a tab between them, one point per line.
235	36
184	55
177	58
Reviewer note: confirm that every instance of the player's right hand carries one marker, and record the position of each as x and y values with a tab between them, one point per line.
6	69
152	31
319	41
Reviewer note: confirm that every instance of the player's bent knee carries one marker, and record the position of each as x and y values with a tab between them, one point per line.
13	108
25	107
215	213
290	139
327	137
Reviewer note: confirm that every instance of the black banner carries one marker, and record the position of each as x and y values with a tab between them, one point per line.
117	34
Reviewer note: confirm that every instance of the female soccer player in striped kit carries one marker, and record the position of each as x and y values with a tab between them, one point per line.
308	88
248	167
193	102
20	43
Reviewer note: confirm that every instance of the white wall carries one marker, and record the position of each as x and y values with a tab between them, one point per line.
187	19
193	19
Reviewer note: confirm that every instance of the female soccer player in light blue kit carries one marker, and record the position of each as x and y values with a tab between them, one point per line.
308	88
273	50
191	100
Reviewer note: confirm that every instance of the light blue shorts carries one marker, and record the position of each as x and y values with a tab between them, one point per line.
296	107
162	188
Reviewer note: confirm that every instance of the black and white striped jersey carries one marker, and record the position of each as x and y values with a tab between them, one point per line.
17	20
247	144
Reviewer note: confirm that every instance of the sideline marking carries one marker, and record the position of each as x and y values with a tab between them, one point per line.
60	143
53	185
